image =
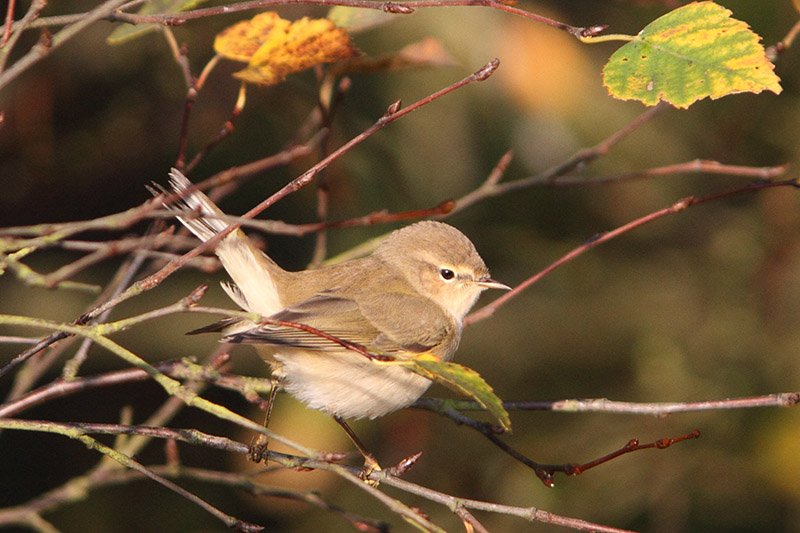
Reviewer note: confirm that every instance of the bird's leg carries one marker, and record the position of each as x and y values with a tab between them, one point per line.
258	446
370	463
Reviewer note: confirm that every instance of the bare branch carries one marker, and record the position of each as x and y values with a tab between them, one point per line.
40	50
677	207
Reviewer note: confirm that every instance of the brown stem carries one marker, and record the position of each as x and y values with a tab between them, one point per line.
400	8
677	207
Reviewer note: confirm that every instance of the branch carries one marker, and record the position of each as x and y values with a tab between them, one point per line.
43	49
393	113
604	405
527	513
77	432
305	463
248	484
172	387
9	40
400	8
677	207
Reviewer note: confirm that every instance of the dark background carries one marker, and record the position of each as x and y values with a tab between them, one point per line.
696	306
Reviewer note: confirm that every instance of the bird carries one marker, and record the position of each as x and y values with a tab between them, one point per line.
407	298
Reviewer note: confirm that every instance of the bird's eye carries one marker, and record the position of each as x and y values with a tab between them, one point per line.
447	274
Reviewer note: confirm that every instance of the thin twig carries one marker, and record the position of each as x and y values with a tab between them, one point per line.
195	437
9	39
492	187
171	386
604	405
246	483
10	8
527	513
223	132
774	51
40	51
393	113
400	8
677	207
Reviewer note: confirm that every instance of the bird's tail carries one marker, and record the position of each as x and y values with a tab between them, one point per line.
252	271
207	219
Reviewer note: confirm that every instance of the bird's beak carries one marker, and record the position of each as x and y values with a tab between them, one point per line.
489	283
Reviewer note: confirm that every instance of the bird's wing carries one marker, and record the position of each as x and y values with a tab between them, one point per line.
407	322
335	316
386	322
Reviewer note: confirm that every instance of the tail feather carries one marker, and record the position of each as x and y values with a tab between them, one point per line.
250	269
208	222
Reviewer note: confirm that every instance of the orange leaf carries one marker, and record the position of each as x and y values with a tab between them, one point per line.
275	48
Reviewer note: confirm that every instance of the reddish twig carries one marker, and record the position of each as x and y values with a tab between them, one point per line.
61	388
9	21
393	113
600	238
111	249
492	187
546	472
180	54
632	445
399	8
39	51
694	166
10	39
223	132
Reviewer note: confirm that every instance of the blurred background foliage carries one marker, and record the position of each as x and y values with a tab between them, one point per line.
699	305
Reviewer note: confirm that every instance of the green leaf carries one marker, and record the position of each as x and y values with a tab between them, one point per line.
462	380
127	32
693	52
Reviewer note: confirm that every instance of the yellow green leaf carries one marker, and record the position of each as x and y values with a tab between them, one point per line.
274	47
127	32
693	52
462	380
